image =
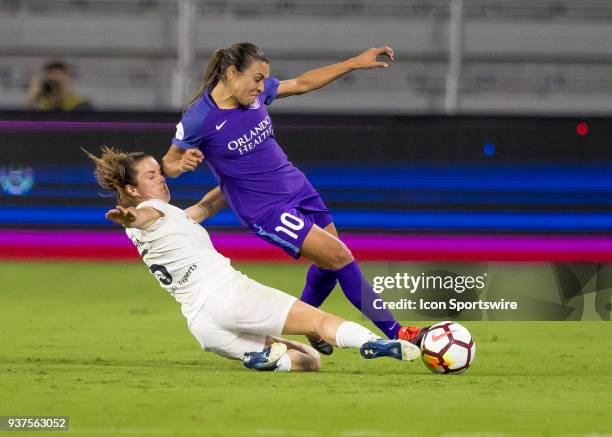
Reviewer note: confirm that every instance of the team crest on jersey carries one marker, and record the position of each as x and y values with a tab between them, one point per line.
180	132
255	104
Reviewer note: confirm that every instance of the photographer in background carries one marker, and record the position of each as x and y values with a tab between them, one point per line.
54	91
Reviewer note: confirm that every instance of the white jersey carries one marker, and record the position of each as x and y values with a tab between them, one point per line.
179	253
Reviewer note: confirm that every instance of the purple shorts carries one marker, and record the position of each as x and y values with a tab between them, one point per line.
287	226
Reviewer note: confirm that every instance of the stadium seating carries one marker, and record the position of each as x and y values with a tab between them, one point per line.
543	54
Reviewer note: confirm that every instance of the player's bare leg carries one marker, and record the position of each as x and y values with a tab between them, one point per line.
328	252
319	284
302	357
280	354
305	319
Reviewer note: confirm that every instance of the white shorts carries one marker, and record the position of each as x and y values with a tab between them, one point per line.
238	318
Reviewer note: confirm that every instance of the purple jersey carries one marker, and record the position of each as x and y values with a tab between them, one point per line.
241	151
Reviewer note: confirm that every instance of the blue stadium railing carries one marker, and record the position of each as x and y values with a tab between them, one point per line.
518	198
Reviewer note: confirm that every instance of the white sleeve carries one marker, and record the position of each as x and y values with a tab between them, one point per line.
157	204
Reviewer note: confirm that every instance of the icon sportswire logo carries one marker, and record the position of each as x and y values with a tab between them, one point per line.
219	126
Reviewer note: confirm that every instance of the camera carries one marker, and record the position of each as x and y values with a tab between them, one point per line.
49	87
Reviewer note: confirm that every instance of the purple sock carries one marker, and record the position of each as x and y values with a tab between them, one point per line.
361	294
319	283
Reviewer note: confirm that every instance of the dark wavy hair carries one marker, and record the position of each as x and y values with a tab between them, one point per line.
240	55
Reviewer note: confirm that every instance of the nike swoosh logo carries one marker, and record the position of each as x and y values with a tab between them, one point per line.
435	337
219	126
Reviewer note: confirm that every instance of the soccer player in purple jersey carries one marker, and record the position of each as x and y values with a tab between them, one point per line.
228	123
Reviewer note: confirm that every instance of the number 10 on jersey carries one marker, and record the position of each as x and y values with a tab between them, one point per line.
291	222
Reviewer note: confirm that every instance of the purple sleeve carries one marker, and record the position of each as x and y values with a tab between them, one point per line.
189	131
270	89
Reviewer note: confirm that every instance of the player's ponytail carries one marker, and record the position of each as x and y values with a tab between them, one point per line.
115	170
240	55
212	75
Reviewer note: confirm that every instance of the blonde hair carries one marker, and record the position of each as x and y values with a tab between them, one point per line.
115	170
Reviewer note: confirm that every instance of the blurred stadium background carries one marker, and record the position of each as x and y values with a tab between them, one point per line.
487	139
484	148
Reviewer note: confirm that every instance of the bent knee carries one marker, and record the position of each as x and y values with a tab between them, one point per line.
313	364
304	362
339	256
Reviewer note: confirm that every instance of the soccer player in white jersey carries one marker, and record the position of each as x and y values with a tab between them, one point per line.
227	312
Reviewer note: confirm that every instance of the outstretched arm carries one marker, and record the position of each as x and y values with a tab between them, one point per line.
177	161
133	218
315	79
209	205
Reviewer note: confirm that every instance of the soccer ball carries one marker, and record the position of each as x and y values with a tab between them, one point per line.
448	348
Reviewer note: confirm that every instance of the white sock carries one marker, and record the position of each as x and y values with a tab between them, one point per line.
284	364
350	334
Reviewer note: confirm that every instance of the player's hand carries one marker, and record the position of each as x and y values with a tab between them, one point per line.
369	59
191	159
121	215
34	91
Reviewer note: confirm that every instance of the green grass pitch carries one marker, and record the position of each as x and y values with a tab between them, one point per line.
105	345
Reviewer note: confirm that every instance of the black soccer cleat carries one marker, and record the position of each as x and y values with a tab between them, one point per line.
320	345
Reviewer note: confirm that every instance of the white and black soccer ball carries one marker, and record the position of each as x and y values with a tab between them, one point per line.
448	347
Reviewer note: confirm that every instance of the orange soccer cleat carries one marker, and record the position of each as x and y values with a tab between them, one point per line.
413	334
